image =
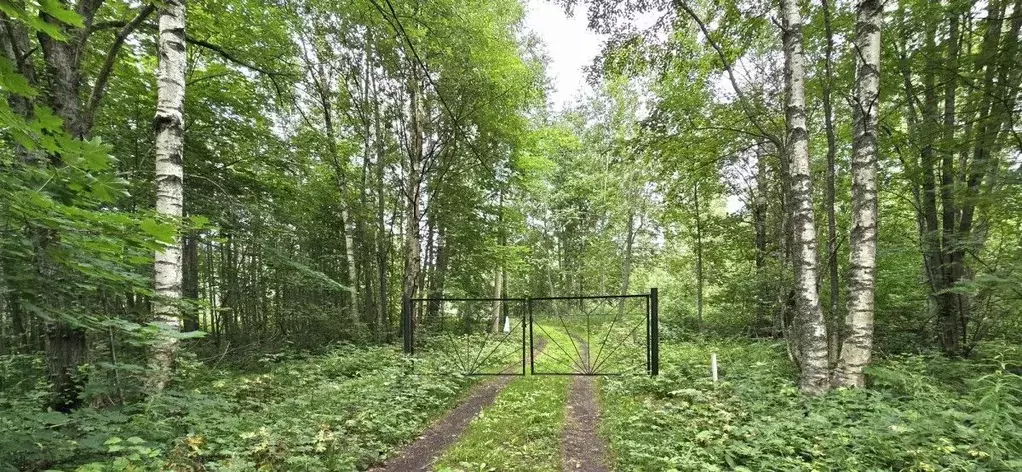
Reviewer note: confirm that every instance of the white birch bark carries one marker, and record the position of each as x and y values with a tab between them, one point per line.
809	322
413	193
498	283
857	346
169	124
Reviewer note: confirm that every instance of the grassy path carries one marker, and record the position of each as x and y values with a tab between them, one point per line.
582	448
519	432
525	428
421	454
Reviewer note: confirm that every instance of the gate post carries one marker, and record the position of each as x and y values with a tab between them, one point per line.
406	324
524	347
654	332
532	346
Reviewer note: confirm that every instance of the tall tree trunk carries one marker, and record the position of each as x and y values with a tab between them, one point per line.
498	284
954	308
436	283
412	195
699	260
759	215
66	349
626	262
830	194
169	124
810	324
924	127
945	275
383	237
324	90
65	343
352	270
190	281
857	347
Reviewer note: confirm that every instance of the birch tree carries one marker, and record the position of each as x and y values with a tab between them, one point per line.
169	124
412	195
810	326
830	188
857	346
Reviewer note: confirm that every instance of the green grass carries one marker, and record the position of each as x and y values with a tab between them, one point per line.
344	410
617	344
914	417
521	430
473	353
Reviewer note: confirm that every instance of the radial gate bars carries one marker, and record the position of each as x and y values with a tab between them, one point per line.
576	335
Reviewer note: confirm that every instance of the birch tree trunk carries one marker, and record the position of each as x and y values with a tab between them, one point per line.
699	261
412	193
169	124
498	284
626	263
383	244
809	322
858	344
833	319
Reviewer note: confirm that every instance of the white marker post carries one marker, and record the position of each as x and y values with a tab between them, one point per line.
713	366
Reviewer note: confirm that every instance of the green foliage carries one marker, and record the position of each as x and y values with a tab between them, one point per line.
912	418
344	410
519	432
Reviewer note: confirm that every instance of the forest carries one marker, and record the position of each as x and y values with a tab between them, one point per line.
291	234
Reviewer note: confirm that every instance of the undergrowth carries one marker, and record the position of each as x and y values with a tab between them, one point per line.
521	430
344	410
920	413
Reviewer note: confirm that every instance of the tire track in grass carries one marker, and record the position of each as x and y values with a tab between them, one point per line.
438	437
582	448
521	430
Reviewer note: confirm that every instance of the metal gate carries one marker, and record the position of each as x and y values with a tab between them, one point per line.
581	335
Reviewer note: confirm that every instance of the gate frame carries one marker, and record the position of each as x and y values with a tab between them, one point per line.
652	328
408	326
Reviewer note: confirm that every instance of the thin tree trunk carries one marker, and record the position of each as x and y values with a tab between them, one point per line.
759	213
352	270
833	319
436	283
626	263
699	260
944	275
810	323
169	125
383	237
857	347
498	284
190	280
412	194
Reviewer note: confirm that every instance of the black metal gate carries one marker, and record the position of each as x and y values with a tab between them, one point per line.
582	335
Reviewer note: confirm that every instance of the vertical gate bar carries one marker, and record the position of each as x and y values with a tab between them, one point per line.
654	331
532	342
585	362
649	367
406	324
523	339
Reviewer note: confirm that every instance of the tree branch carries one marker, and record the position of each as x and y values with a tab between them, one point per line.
219	50
232	58
111	58
730	75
